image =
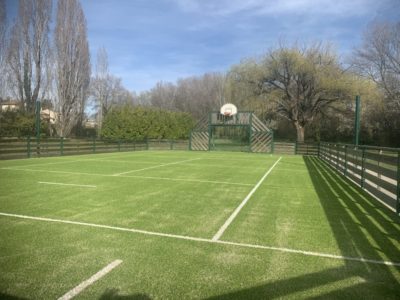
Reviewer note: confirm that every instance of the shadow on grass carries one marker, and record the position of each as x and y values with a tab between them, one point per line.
112	294
362	227
10	297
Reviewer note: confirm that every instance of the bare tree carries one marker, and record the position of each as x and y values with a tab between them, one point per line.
379	59
197	95
28	51
106	88
163	95
3	46
72	65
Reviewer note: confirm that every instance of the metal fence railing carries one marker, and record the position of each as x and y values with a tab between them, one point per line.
14	148
375	169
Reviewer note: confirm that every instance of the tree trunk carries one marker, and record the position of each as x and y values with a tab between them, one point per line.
300	133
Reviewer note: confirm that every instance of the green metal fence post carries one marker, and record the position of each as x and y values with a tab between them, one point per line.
62	146
29	147
272	142
209	132
357	122
345	160
337	156
37	126
37	114
171	145
295	148
251	131
119	146
147	144
363	168
398	185
319	149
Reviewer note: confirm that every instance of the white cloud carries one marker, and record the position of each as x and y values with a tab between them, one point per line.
338	8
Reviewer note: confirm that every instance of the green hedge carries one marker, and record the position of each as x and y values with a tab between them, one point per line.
19	124
139	123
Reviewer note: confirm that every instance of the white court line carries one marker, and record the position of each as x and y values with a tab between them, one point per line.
237	210
158	166
190	180
68	184
190	238
83	285
54	163
127	176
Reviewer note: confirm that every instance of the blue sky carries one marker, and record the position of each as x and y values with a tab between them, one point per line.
152	40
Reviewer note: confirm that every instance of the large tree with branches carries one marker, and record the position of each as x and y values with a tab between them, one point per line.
302	82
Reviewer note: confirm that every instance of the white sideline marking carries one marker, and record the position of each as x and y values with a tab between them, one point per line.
197	239
127	176
158	166
69	184
83	285
237	210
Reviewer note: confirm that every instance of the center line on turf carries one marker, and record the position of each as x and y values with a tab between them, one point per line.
197	239
158	166
83	285
68	184
237	210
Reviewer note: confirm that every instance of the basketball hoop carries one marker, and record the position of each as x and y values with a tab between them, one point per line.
228	110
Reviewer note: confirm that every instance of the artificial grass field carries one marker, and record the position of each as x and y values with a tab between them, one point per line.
303	233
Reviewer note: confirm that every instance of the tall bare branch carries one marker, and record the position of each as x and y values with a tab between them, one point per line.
28	51
379	59
3	46
72	65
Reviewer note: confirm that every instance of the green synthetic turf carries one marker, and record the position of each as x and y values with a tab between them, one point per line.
302	205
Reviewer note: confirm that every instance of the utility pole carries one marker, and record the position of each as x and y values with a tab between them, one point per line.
357	122
37	127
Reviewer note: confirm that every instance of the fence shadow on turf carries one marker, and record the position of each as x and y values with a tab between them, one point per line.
113	294
361	226
10	297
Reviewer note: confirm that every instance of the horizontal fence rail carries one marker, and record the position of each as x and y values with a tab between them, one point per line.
377	170
14	148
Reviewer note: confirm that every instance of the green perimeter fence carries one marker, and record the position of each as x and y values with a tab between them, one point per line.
13	148
374	169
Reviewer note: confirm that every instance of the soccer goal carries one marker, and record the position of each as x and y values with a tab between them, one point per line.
231	130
